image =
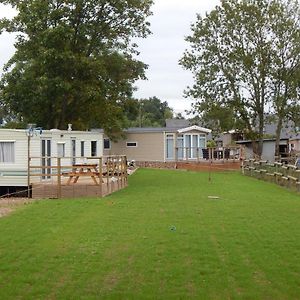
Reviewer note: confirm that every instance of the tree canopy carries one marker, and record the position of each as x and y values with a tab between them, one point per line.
244	56
74	61
150	112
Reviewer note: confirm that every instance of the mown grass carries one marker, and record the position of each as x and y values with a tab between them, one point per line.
161	238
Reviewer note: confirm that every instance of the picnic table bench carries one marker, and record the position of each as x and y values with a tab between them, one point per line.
83	170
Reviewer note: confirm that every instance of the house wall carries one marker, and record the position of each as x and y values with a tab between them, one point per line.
296	144
150	147
268	150
15	174
227	139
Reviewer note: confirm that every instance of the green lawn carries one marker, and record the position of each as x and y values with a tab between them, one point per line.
161	238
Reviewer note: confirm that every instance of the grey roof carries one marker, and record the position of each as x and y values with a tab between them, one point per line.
250	141
145	129
177	123
288	130
172	125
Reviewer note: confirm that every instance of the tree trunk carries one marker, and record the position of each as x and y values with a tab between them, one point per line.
278	132
260	136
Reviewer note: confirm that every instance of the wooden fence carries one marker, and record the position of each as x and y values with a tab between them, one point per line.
279	173
57	177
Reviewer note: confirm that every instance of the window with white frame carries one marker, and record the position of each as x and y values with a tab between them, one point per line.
82	148
169	146
61	150
93	148
7	152
131	144
180	146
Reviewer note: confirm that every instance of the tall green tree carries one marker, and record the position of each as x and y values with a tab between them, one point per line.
232	55
74	61
151	112
285	66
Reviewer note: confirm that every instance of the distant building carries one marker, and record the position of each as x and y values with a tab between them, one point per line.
178	140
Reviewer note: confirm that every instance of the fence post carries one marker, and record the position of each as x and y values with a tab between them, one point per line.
119	166
107	172
100	175
124	169
58	177
28	166
125	173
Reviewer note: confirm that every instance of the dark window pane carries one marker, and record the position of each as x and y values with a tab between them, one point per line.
94	148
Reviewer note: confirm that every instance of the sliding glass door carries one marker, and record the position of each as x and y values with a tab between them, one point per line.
193	145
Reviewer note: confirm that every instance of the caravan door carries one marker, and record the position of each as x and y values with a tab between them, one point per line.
46	158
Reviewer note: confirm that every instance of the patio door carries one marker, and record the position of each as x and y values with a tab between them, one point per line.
202	145
195	145
180	147
73	151
46	158
191	145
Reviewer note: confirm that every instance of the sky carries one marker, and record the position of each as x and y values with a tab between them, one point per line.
161	51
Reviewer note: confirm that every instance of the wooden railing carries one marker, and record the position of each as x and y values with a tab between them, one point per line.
55	169
279	173
210	153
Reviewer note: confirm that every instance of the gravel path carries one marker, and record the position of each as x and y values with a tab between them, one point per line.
8	205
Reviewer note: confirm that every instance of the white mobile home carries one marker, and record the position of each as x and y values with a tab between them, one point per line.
15	145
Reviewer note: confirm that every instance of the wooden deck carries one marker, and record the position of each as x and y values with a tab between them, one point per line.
83	188
89	177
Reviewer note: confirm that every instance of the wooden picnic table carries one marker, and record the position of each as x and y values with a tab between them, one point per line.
83	170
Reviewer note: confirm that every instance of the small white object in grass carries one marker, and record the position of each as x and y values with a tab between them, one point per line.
213	197
173	228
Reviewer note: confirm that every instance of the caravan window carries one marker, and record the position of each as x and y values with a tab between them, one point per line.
7	152
61	149
82	148
93	148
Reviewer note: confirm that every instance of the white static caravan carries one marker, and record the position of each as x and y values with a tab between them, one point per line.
73	146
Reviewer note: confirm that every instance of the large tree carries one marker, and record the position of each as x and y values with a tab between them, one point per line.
235	60
74	60
285	63
151	112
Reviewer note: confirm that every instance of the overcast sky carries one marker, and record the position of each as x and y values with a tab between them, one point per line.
170	23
